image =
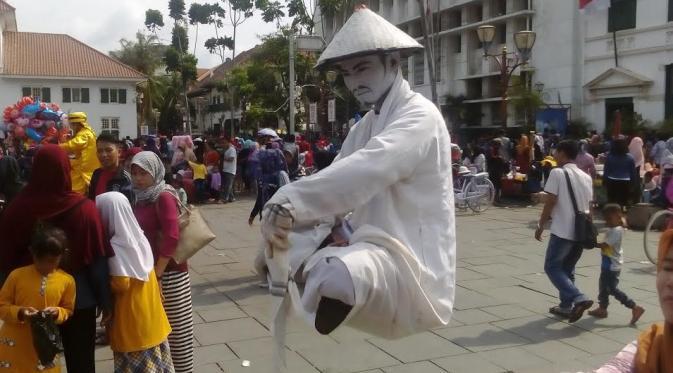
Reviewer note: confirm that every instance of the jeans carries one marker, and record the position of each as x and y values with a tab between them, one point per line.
200	186
228	186
559	265
607	285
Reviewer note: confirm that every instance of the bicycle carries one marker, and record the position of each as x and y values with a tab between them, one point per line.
474	191
658	222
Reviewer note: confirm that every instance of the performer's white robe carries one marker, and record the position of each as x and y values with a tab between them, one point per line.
394	175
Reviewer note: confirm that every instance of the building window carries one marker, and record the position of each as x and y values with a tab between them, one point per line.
76	95
456	43
404	64
622	15
670	10
110	126
39	93
419	68
374	5
112	96
501	34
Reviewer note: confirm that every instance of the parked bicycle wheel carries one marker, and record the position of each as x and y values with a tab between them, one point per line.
481	193
659	221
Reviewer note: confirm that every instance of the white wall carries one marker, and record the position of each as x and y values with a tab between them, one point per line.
10	92
645	50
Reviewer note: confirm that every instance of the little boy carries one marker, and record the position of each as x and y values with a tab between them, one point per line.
176	183
611	261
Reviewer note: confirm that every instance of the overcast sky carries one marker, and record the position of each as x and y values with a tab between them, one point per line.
102	23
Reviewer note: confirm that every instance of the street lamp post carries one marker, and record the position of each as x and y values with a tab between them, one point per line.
524	41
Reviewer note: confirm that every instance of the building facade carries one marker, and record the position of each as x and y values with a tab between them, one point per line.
572	64
58	68
628	62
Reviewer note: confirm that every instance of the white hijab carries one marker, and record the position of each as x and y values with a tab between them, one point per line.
133	253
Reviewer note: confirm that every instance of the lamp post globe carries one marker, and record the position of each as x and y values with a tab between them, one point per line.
524	41
486	34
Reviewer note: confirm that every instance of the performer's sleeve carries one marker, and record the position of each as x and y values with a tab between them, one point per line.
387	158
75	144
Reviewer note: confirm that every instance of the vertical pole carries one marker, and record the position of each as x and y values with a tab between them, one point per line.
504	80
614	44
292	85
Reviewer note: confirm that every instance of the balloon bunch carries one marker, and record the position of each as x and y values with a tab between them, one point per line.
34	122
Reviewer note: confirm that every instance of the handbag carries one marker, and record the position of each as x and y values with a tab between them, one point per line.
195	233
586	233
46	338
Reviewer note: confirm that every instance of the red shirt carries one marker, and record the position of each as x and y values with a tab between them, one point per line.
159	221
103	179
213	158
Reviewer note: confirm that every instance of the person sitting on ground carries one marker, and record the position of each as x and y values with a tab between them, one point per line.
111	177
651	352
612	258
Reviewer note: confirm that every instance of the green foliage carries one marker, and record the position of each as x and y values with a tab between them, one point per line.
199	14
143	54
179	38
215	45
455	109
579	128
272	11
245	7
632	124
153	20
176	9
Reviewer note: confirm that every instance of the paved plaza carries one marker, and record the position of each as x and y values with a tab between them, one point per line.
500	322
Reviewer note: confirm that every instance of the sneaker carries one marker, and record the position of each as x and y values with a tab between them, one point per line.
561	312
599	313
578	310
636	312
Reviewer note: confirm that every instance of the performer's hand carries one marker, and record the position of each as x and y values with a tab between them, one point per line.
538	232
277	222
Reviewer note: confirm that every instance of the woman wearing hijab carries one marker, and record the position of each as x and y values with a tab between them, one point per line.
157	212
48	197
585	161
138	334
651	352
10	181
636	151
523	154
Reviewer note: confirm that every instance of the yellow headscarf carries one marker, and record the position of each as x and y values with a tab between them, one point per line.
655	345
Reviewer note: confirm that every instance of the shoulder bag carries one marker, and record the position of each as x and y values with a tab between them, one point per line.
585	231
195	233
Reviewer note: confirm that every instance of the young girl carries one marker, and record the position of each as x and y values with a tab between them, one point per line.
28	290
139	331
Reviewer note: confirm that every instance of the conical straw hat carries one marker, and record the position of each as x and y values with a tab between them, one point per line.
364	33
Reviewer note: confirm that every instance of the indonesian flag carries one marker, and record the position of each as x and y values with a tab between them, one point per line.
593	5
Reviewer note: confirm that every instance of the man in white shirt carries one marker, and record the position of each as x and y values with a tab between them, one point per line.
563	251
228	171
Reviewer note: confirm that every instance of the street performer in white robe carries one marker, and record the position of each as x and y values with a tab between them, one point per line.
392	271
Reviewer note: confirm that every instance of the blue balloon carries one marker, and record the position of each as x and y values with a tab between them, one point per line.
31	133
31	110
48	114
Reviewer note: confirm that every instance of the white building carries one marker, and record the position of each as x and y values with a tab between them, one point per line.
572	61
639	77
58	68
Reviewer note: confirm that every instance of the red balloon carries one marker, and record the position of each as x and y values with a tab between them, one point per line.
19	132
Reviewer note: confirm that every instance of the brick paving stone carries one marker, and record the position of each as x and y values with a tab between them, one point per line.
470	363
423	346
481	337
348	357
212	354
228	331
420	367
295	364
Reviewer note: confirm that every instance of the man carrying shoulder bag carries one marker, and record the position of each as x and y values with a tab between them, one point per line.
567	241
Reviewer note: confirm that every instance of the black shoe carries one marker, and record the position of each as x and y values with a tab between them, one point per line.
331	313
578	310
560	312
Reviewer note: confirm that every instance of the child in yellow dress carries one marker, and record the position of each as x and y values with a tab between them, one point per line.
28	290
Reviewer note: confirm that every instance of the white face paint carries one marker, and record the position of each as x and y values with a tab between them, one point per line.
368	78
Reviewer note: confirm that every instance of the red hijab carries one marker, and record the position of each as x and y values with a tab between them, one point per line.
47	195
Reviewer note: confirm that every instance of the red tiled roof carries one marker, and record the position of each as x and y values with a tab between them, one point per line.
5	7
59	55
218	73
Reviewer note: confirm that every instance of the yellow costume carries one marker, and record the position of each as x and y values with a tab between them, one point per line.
24	288
139	318
83	147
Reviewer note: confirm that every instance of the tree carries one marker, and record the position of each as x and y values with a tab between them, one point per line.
456	109
176	9
217	45
143	54
179	38
153	20
198	15
239	12
524	99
